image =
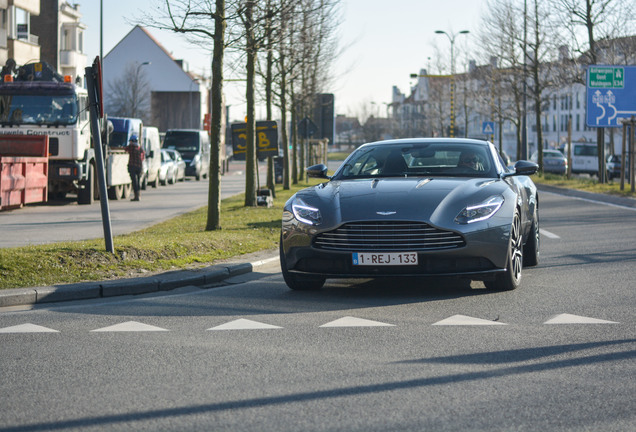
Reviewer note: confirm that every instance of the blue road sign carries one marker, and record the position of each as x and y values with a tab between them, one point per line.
488	128
611	95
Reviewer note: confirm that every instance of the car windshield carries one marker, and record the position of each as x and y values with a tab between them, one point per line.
419	159
182	141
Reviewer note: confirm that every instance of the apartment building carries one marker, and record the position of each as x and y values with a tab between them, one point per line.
49	30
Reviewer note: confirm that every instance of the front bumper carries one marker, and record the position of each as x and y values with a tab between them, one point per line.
482	257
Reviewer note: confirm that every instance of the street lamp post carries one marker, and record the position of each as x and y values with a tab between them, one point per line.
136	89
451	38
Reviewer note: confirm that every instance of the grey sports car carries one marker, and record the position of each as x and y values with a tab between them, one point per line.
414	207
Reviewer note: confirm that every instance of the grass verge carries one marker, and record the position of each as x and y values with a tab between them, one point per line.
178	243
588	184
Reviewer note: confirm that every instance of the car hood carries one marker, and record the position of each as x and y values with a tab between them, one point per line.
436	200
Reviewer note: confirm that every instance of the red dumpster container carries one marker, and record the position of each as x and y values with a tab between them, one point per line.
23	177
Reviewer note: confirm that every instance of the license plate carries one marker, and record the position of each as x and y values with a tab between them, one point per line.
385	259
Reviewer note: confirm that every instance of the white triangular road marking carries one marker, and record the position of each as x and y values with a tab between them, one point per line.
355	322
244	324
548	234
130	326
459	320
27	328
576	319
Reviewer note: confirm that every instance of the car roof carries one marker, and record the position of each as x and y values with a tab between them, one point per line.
403	141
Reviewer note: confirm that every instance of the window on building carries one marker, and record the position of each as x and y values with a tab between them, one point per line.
22	20
578	121
554	122
578	102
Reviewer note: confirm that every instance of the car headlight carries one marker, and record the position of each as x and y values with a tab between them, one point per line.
196	160
305	213
481	211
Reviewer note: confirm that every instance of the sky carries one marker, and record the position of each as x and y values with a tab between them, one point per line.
381	43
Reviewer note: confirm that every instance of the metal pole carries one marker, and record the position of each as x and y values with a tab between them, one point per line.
624	153
632	138
91	85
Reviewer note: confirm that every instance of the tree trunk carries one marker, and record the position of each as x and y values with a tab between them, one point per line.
214	191
250	158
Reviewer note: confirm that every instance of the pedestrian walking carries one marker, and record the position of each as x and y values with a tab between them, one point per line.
135	161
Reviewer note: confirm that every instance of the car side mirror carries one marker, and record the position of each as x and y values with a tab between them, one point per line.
523	167
317	171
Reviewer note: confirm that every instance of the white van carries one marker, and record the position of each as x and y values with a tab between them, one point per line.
152	162
584	157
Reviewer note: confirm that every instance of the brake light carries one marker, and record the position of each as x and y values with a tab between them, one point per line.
8	78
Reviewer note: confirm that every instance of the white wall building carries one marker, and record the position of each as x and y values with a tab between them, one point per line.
179	99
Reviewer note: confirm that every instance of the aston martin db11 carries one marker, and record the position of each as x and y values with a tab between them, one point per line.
414	207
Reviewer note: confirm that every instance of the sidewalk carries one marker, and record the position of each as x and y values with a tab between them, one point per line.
139	285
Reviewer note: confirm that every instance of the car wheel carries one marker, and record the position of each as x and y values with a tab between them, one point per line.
86	195
298	282
531	249
511	278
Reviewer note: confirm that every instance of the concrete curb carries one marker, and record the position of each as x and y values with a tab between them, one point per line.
138	285
589	196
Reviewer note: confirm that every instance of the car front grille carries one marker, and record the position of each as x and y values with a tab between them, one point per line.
388	236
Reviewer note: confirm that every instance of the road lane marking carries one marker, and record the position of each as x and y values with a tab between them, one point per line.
548	234
244	324
27	328
130	326
576	319
356	322
462	320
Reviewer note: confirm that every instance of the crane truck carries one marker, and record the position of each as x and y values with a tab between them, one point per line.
36	100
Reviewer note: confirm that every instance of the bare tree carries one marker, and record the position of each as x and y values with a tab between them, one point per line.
129	94
204	22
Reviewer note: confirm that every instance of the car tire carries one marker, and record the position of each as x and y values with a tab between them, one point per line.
86	195
298	282
532	247
511	278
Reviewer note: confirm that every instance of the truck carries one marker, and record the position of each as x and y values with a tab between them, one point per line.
36	100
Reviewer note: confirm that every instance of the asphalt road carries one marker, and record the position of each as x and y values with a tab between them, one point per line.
64	220
558	354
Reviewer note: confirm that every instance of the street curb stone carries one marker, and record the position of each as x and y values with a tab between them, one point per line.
608	199
131	286
57	293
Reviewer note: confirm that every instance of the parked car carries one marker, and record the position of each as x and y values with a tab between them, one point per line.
553	161
194	146
180	165
152	161
414	207
613	166
167	171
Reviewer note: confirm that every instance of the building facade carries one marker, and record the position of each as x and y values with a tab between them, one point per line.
61	37
17	40
174	97
488	93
